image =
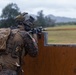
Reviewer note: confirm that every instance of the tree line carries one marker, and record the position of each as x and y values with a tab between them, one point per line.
10	11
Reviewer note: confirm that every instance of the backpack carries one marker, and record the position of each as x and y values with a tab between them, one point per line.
4	34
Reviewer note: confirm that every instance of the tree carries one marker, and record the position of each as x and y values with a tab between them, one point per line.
10	11
49	22
40	19
44	21
8	15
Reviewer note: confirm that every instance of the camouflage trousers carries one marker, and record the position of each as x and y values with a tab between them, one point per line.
8	72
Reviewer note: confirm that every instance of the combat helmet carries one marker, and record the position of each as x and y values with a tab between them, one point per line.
26	20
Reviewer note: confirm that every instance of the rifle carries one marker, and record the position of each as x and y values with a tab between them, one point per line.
37	31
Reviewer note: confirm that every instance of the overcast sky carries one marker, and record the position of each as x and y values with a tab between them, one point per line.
56	7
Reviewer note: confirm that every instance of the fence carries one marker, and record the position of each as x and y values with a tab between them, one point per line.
51	60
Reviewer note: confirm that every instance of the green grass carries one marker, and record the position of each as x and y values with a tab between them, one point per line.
62	36
61	27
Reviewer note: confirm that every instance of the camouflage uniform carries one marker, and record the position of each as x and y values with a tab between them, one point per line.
10	60
8	72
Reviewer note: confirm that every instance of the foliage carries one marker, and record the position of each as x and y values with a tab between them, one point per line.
44	21
10	11
40	19
68	23
8	15
49	22
7	23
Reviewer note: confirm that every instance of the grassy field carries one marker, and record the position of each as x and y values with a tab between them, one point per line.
62	34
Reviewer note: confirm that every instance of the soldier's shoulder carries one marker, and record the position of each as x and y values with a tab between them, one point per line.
14	31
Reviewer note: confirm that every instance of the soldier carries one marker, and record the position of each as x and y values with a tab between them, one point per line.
19	43
26	21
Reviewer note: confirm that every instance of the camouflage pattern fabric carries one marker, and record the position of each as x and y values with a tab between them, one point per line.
4	33
28	45
8	72
31	46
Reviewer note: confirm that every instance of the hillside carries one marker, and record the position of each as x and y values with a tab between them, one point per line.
62	19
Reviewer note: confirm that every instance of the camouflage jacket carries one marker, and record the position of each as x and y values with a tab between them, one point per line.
10	59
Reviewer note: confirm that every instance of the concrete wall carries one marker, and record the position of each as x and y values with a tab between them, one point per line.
51	60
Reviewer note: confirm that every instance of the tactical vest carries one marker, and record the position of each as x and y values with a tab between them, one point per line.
11	58
8	64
